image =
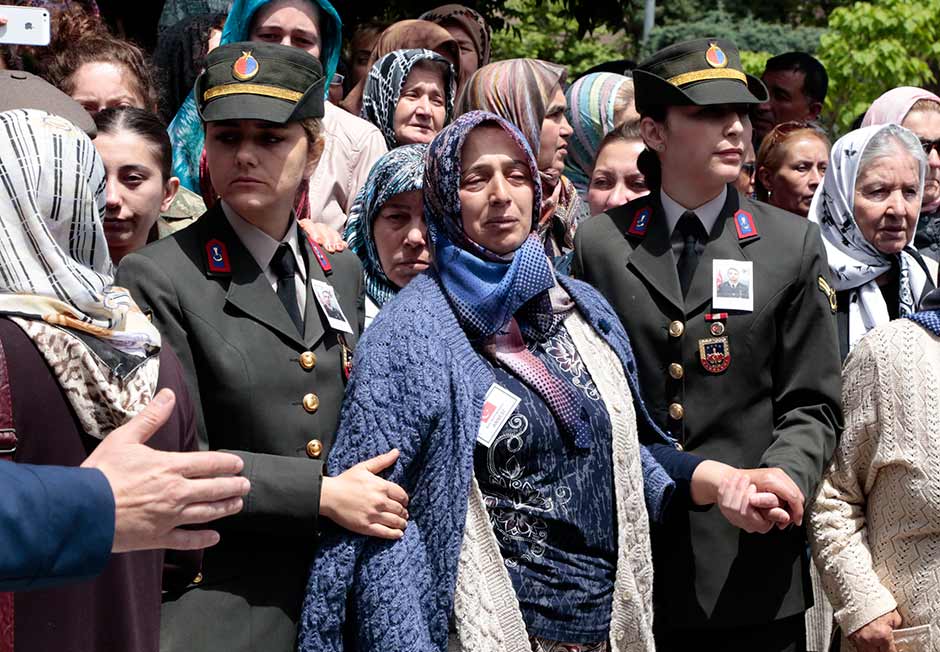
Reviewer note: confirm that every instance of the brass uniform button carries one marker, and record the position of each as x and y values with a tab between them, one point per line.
679	447
197	579
676	371
308	360
314	448
676	328
311	403
676	411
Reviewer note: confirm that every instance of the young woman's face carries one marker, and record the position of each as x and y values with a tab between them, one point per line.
294	23
616	179
887	201
553	143
400	235
496	190
421	108
804	165
257	166
136	192
701	144
926	126
103	85
469	58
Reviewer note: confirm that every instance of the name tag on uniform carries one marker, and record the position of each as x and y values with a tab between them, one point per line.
326	297
733	285
498	406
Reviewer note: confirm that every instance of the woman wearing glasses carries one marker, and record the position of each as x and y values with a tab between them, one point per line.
791	163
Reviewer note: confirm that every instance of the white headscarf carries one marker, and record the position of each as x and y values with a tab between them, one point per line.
854	262
56	274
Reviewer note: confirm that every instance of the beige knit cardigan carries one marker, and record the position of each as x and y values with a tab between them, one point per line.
486	611
875	524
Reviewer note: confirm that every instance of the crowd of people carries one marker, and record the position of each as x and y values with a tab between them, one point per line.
464	354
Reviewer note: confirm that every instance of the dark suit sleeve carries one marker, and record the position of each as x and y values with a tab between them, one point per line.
56	525
285	491
807	382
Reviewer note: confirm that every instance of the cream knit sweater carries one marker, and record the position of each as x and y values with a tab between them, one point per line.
875	524
486	611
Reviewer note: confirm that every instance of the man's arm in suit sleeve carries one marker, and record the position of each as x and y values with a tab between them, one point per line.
56	525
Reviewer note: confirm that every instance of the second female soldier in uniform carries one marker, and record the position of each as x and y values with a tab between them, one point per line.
239	297
752	381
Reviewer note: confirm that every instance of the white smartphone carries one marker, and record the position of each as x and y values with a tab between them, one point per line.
25	26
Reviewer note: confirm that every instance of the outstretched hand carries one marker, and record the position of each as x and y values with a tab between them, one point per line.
362	502
156	492
324	235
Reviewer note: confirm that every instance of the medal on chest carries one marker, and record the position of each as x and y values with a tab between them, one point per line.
714	354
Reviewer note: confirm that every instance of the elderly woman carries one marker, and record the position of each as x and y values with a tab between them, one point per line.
386	226
597	104
470	31
406	35
409	96
867	209
529	93
522	525
918	110
875	526
82	360
791	163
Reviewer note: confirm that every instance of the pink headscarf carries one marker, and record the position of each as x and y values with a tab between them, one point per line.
894	106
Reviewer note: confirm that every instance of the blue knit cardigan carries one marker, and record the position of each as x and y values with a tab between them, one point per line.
418	385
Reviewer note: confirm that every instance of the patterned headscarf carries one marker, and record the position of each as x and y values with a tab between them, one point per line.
186	131
854	262
400	170
471	21
894	106
55	272
485	288
405	35
590	112
385	82
521	90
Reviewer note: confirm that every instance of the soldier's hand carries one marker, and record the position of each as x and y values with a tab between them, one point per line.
777	482
324	235
156	492
878	635
361	501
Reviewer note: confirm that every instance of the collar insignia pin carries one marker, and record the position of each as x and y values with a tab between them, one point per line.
217	262
320	256
744	223
641	222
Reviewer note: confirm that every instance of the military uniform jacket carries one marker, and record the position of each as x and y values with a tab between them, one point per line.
777	404
263	392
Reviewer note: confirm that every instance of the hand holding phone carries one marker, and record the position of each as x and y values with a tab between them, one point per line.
24	25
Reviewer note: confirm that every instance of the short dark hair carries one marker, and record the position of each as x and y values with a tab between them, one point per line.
816	82
143	123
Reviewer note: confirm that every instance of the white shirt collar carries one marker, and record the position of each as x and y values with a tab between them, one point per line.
259	244
707	213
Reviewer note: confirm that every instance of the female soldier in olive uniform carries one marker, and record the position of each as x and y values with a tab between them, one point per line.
236	296
753	381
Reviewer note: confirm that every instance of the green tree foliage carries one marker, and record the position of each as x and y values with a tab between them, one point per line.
542	29
873	47
745	31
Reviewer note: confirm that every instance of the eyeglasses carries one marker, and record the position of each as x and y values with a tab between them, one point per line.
337	80
930	145
779	133
749	168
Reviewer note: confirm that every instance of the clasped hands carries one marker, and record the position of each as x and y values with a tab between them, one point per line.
754	500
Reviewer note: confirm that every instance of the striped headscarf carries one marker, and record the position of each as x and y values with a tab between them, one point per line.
400	170
386	80
521	90
56	275
590	112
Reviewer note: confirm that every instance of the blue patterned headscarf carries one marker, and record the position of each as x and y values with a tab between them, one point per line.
186	131
384	84
485	288
401	170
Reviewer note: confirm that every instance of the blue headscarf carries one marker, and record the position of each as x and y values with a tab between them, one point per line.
386	80
186	130
401	170
486	289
